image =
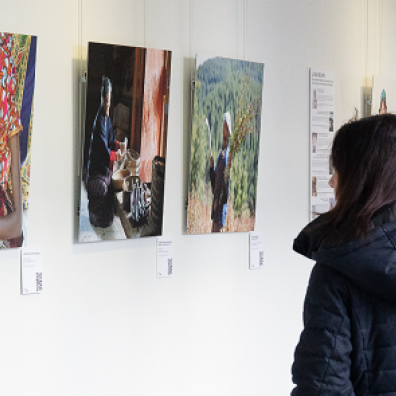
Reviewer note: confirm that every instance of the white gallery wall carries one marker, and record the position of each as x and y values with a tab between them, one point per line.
105	325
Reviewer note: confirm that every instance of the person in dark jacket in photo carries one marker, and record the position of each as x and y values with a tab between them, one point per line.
102	154
221	187
348	345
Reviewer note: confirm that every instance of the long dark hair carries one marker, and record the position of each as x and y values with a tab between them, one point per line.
364	156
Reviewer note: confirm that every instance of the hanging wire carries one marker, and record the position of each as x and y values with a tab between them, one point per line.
79	89
192	92
367	36
144	23
191	36
380	35
367	87
192	68
244	28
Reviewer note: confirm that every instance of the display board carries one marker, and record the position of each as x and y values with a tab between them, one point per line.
17	79
224	145
126	129
322	104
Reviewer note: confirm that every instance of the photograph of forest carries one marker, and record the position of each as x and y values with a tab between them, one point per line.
224	145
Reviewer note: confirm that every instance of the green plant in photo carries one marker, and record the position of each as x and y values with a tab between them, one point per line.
243	121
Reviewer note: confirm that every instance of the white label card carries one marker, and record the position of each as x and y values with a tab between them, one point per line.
164	257
32	271
256	255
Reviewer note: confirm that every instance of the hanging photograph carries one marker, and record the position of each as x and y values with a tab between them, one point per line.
17	77
126	129
224	145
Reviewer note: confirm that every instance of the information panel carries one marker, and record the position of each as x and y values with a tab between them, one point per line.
322	93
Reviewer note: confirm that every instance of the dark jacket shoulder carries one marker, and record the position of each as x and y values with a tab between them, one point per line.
348	345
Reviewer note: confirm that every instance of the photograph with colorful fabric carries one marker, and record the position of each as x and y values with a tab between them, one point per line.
17	77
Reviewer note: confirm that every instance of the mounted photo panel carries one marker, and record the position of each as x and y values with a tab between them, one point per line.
126	130
224	145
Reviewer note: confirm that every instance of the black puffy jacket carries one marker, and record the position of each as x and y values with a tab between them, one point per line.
348	345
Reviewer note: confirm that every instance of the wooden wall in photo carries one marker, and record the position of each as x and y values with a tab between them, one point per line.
153	108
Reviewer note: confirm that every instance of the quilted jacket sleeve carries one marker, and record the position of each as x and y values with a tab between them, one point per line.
322	363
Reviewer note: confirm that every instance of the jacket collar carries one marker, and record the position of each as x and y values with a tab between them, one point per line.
368	262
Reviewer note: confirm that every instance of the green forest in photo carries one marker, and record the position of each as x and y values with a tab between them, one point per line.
219	86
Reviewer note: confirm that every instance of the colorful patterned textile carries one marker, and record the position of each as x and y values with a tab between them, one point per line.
18	54
10	123
6	208
17	75
25	180
25	94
